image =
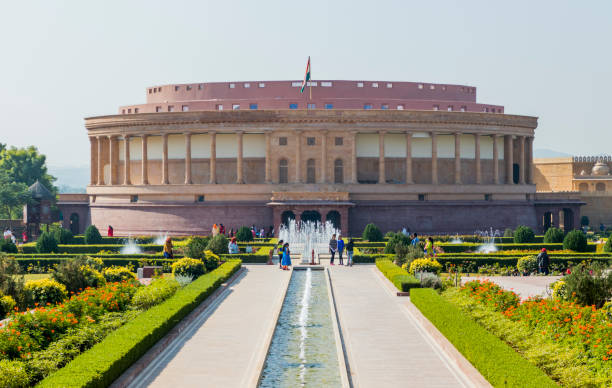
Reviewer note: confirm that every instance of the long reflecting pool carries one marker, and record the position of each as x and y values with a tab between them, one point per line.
303	348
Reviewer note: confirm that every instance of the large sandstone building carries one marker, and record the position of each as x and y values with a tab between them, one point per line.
423	156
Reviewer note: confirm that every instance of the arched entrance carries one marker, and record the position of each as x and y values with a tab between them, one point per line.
286	217
547	221
311	215
74	223
568	220
334	217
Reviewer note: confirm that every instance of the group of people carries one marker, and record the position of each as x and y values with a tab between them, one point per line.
338	246
284	255
428	248
8	234
255	231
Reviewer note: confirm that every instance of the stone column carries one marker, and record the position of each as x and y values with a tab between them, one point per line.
529	162
165	179
477	157
111	158
188	158
268	172
100	180
93	162
495	160
434	159
457	158
298	157
126	161
145	160
381	157
521	162
213	157
354	158
239	159
323	156
508	155
409	157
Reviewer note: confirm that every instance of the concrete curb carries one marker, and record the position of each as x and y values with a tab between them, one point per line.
343	363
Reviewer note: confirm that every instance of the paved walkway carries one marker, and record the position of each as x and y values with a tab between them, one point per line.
524	286
227	348
386	347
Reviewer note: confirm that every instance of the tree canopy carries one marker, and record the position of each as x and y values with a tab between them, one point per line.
12	195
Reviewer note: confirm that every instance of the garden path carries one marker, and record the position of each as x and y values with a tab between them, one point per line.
385	343
524	286
225	346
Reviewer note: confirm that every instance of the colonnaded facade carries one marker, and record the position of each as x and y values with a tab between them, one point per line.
423	156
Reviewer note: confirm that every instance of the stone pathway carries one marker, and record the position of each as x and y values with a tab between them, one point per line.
524	286
386	346
225	346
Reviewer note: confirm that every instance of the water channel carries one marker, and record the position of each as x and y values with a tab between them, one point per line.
303	349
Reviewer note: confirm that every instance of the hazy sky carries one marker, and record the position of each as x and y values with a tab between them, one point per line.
61	61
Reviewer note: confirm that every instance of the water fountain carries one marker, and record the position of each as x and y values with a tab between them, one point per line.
306	237
456	240
488	237
161	239
130	247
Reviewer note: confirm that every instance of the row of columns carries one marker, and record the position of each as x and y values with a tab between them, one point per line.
525	158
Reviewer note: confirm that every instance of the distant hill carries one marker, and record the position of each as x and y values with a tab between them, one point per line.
70	179
546	153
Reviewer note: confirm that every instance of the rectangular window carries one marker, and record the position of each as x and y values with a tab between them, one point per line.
367	106
253	106
219	106
374	84
185	108
232	86
450	108
150	91
326	84
312	106
293	106
384	106
262	85
310	141
296	84
389	86
129	110
247	85
135	110
339	141
159	89
235	106
170	108
400	107
420	86
200	86
329	106
488	197
133	198
200	198
421	197
463	108
158	109
311	83
492	110
282	141
122	111
432	87
443	87
188	87
360	84
176	88
436	107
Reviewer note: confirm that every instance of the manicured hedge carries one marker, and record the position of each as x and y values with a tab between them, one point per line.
107	360
364	244
512	260
80	239
401	279
87	249
501	365
464	247
371	259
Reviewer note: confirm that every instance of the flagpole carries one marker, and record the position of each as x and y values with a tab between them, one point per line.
310	87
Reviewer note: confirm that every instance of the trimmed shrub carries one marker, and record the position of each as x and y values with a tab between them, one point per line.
196	246
77	274
46	243
107	360
43	291
159	290
500	364
608	245
372	233
575	241
6	245
523	234
589	285
7	304
117	274
188	267
211	261
244	234
14	374
429	280
527	264
394	240
218	245
10	283
553	236
401	279
508	233
425	265
63	236
92	235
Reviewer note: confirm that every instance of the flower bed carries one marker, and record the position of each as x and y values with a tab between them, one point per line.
571	343
85	249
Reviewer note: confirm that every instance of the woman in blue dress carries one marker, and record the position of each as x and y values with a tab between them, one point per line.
286	257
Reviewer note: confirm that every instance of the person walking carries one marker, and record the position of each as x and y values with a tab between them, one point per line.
222	229
543	262
215	230
350	246
110	231
333	247
286	257
429	247
340	249
415	240
168	249
279	252
232	247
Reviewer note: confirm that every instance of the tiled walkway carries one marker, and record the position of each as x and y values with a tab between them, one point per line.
524	286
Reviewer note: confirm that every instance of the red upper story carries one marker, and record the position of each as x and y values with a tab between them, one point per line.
318	95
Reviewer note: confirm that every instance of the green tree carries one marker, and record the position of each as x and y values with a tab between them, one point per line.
26	165
13	196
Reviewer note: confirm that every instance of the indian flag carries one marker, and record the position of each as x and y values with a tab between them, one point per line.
306	76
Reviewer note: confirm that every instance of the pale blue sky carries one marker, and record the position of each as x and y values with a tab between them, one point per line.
62	61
